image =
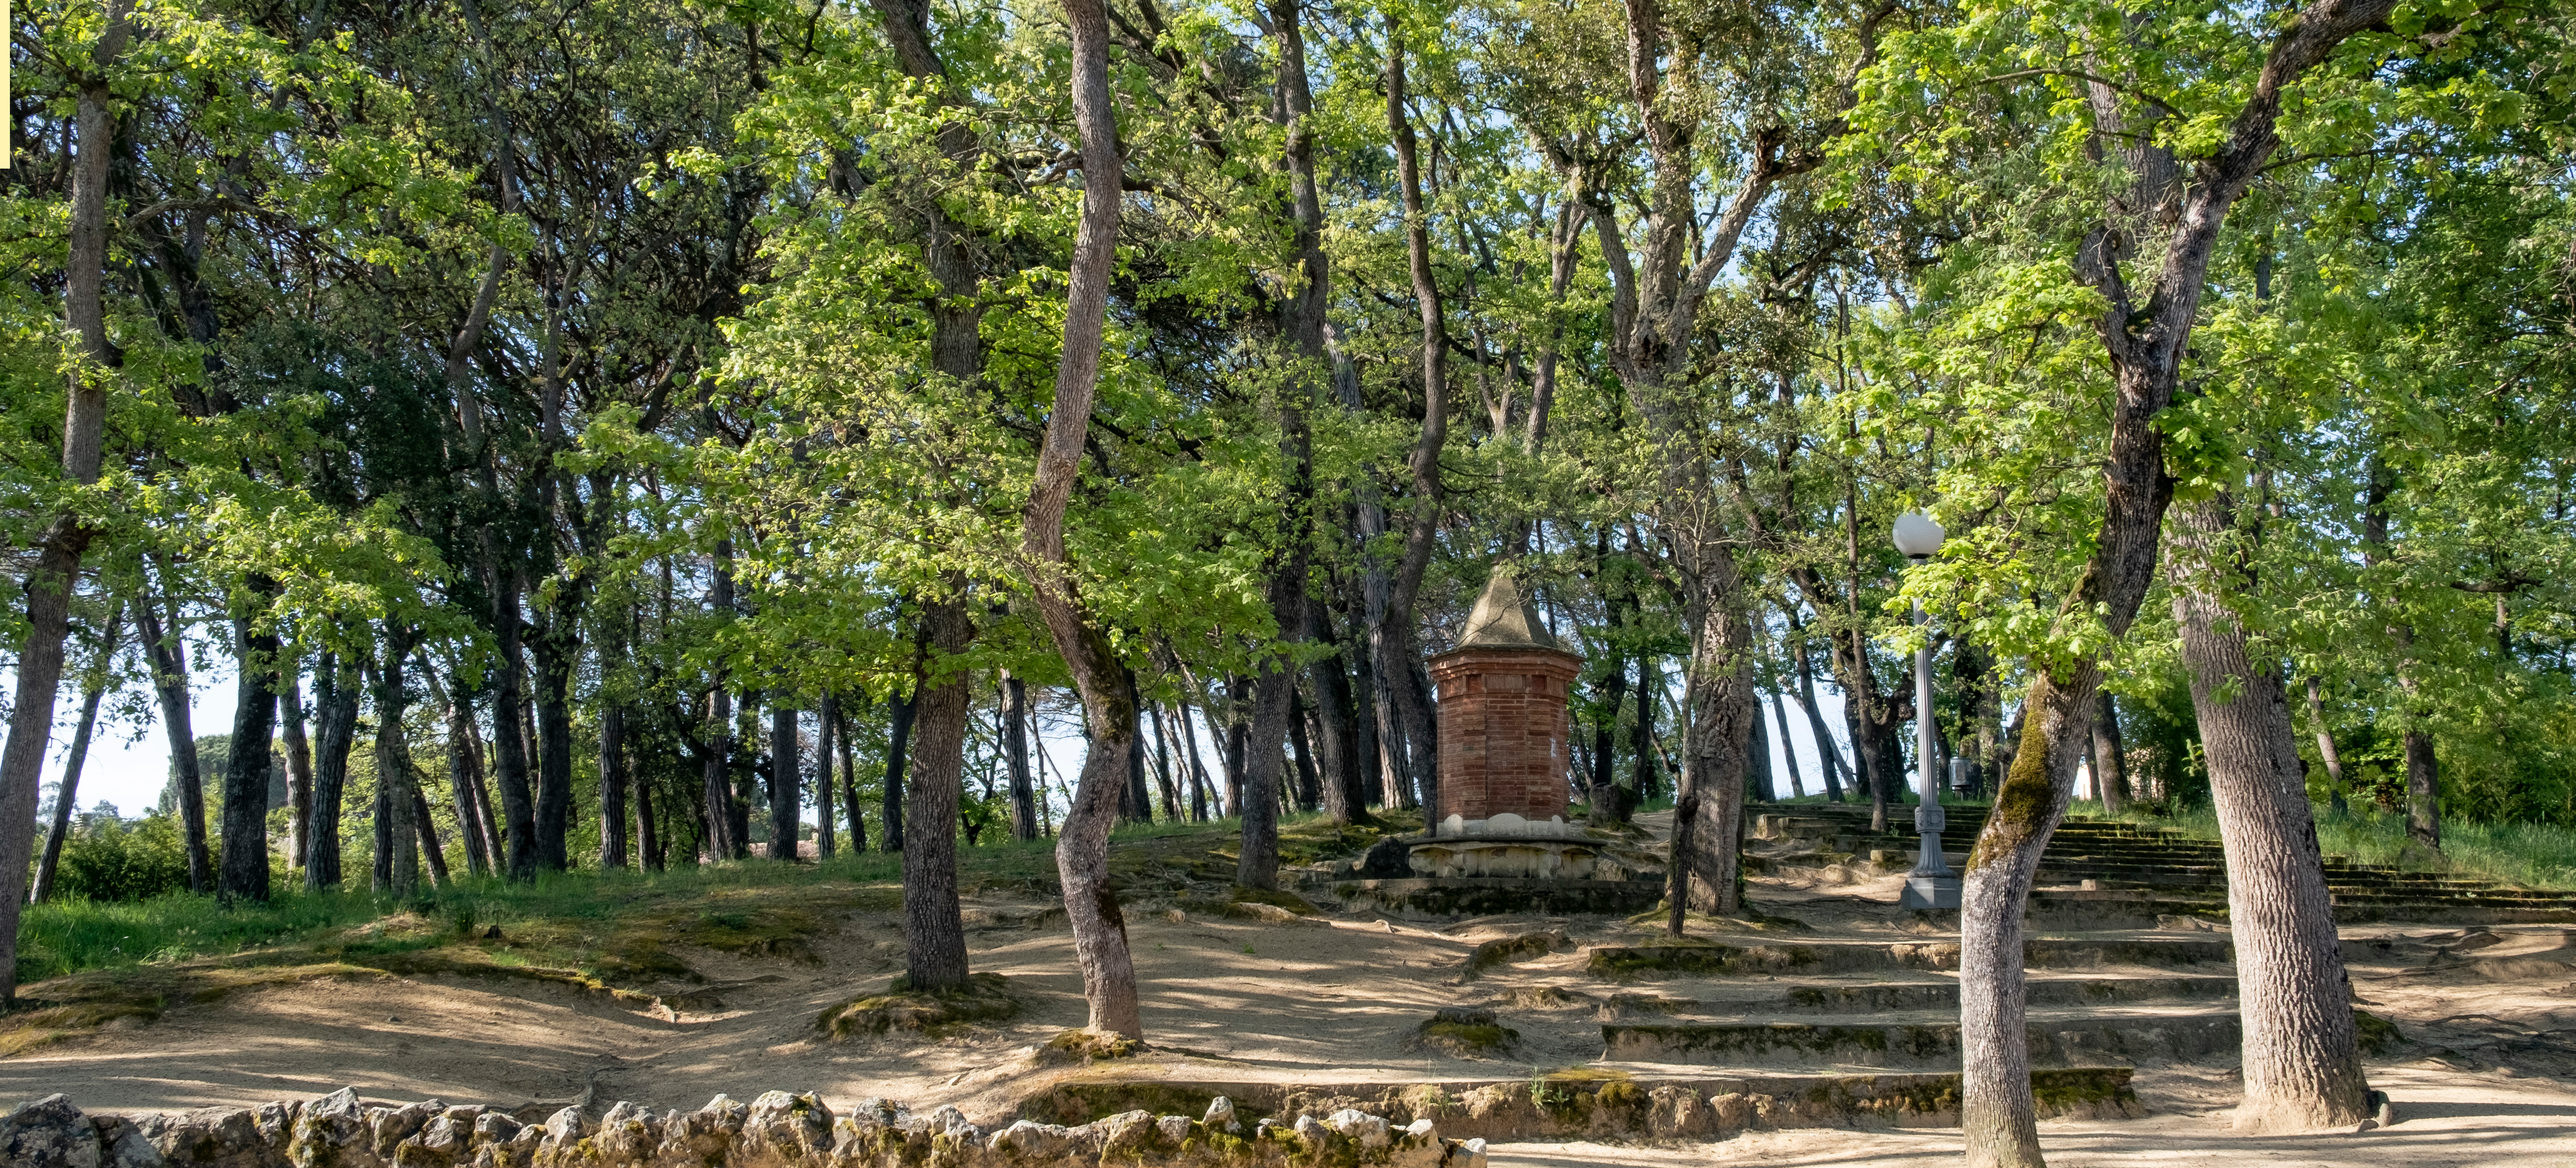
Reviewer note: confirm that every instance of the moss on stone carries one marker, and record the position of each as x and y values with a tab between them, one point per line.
984	998
1084	1047
1466	1032
2375	1035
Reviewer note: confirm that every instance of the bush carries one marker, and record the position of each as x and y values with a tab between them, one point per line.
108	859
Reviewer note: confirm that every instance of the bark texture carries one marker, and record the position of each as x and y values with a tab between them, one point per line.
169	656
786	783
67	794
335	729
244	875
934	929
2302	1064
1082	849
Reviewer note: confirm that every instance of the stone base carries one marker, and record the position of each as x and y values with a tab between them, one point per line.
1469	896
1930	892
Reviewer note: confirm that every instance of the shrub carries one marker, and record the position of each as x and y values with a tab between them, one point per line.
108	859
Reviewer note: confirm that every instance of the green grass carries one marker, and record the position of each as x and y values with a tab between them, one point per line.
613	925
2526	855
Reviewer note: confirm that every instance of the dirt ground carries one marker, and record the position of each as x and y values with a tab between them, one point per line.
2483	1078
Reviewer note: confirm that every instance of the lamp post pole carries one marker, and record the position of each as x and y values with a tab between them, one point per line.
1931	885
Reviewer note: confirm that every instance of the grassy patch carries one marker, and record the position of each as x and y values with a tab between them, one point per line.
1467	1032
1083	1047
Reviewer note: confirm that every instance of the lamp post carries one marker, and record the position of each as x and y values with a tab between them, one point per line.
1931	884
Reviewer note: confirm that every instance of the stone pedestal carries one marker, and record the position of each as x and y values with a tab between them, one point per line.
1929	892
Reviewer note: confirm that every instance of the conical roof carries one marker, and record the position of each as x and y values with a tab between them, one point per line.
1504	618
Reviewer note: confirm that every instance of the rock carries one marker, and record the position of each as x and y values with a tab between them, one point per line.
559	1140
1127	1136
1387	859
1471	1155
704	1136
785	1130
212	1137
122	1144
49	1133
1675	1112
628	1134
393	1125
1369	1131
334	1130
1035	1143
1220	1117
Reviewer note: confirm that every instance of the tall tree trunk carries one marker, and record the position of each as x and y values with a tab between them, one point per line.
398	867
1310	794
1834	768
786	783
67	796
464	774
1758	780
2110	767
299	761
743	773
1257	857
899	712
2423	773
509	741
1024	795
1411	697
244	875
612	785
335	731
826	791
169	654
1199	786
850	782
1153	719
1339	735
1718	739
430	850
934	928
1082	849
1788	746
556	653
2302	1065
1604	798
56	573
715	790
1236	753
2326	747
1641	734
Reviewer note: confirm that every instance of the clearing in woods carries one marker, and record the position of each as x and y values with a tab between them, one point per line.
668	990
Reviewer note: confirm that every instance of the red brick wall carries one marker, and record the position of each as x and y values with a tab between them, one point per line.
1503	732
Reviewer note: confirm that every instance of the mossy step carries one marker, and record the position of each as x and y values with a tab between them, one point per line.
1885	997
1865	956
1929	1045
1598	1102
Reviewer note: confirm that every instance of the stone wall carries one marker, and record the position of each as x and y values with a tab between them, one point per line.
777	1130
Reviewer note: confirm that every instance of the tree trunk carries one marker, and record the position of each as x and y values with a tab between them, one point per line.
1337	731
169	653
612	785
429	846
2302	1065
464	774
1606	806
245	865
1410	696
2423	789
826	710
2110	768
1310	786
1641	735
850	783
56	573
1082	850
67	796
1835	770
1199	785
743	774
299	762
2326	747
1257	857
1235	757
1788	746
396	791
556	654
335	731
509	743
899	711
786	783
1718	741
715	785
1015	758
934	928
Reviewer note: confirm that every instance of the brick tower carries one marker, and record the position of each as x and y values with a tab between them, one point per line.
1504	733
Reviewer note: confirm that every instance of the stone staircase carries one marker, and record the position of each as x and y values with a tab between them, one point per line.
2108	868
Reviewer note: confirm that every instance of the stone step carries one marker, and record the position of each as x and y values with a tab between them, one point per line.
1823	957
1598	1102
2064	1041
1888	997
